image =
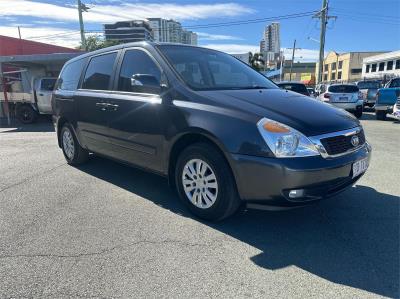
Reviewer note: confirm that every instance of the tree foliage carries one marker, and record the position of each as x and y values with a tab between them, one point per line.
94	42
256	61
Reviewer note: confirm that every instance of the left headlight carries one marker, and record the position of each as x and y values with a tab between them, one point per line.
284	141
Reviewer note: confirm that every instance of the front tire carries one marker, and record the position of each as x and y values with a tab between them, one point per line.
73	152
205	182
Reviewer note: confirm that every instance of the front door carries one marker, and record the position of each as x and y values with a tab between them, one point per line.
135	111
44	89
92	99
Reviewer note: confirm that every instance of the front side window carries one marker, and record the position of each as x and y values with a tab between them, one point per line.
47	84
139	73
98	73
205	69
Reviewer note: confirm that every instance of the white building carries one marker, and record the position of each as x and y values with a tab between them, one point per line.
170	31
271	41
379	66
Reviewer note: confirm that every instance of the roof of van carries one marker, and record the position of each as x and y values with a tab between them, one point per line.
142	44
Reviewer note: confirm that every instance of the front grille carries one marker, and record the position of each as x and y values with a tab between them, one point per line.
340	144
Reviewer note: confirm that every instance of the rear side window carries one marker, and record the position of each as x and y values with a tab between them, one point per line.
395	83
98	73
139	73
69	77
343	88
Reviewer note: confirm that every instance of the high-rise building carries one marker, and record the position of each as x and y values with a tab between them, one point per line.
271	41
171	31
129	31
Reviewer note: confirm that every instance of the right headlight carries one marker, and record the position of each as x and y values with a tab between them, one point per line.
284	141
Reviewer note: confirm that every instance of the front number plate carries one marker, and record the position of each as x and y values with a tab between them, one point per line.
359	167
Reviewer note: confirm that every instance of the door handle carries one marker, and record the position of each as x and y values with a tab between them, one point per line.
113	106
102	105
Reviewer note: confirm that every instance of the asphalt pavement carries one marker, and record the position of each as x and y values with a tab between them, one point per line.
107	230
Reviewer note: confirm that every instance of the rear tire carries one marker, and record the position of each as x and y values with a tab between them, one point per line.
73	152
205	182
26	114
380	115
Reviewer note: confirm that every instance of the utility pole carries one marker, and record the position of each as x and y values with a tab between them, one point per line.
323	16
291	63
82	8
19	32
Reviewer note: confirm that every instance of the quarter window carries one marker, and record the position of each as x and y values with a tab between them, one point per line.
69	77
98	74
139	73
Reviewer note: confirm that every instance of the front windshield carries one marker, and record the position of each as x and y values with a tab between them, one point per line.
368	84
204	69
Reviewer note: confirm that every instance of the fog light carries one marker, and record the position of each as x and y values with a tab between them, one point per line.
296	193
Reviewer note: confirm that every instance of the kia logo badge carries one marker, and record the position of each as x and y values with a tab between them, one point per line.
355	141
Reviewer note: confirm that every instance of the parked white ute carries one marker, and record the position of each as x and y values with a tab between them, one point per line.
345	96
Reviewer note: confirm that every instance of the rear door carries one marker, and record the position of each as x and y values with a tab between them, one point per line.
92	99
136	131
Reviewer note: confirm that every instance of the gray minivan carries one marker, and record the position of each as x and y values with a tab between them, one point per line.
220	132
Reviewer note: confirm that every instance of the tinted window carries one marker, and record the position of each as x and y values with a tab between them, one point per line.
139	73
343	88
47	84
389	65
99	71
368	84
205	69
300	88
69	77
395	83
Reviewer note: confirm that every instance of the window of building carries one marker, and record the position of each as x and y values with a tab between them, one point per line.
333	66
381	66
339	75
389	65
367	68
340	64
325	77
69	77
333	76
139	73
356	71
373	68
326	67
99	71
397	64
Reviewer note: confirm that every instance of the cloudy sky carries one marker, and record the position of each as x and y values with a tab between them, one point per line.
362	25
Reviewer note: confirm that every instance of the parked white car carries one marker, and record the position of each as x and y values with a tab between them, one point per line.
345	96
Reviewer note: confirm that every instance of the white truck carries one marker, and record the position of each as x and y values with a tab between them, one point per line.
29	99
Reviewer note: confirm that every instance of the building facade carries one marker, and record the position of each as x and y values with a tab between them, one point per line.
345	67
271	41
301	72
382	66
129	31
170	31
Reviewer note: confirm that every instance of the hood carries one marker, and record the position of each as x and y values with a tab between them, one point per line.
307	115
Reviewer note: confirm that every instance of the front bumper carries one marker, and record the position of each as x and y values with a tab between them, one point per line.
350	106
269	180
